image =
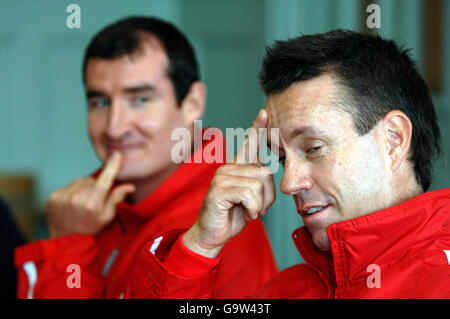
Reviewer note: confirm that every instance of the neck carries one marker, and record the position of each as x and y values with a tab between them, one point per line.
409	193
407	188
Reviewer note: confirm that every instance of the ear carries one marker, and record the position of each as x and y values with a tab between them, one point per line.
397	133
193	105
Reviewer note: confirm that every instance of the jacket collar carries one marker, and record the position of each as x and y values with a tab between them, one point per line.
380	237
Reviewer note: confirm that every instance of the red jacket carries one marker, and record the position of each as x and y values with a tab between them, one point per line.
107	260
399	252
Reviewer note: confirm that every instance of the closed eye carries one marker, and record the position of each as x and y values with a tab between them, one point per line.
314	149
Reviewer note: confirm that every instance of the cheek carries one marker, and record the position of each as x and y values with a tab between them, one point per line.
157	122
95	128
361	178
332	177
156	131
148	125
95	131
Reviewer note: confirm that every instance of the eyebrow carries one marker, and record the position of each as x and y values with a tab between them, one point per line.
140	88
93	93
298	131
132	89
305	130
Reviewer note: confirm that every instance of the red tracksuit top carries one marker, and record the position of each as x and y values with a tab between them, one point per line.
399	252
106	261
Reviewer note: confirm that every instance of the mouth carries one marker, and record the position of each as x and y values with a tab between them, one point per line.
311	210
123	148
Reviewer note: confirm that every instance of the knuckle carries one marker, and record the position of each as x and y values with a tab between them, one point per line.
74	199
254	208
259	186
219	180
212	192
254	196
236	166
223	169
215	183
247	193
259	205
90	205
265	171
220	169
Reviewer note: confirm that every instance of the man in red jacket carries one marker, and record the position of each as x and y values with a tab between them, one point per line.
358	133
142	82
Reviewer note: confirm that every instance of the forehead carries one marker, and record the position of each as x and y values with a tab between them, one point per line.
308	106
149	64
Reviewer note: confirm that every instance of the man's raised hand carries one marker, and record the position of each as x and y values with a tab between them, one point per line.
87	205
239	192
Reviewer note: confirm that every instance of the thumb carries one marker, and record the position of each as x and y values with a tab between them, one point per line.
118	194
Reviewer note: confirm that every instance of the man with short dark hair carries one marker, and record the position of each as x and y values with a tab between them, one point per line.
358	133
142	82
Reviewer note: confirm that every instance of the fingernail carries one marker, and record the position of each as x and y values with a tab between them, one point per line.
116	156
263	114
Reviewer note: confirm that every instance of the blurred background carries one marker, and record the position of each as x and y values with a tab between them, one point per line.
43	114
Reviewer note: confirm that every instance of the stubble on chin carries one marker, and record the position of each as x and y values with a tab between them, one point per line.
321	241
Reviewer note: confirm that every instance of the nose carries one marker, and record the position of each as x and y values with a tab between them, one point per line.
296	177
118	120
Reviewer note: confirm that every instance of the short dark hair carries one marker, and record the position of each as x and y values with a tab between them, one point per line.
376	76
124	37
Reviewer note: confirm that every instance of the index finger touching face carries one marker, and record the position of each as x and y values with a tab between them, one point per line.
110	170
248	153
